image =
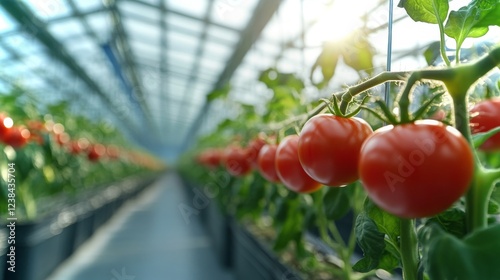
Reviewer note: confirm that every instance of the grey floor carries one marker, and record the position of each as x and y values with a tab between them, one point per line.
148	239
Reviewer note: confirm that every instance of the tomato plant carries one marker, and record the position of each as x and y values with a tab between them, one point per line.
411	168
266	162
289	169
329	148
401	168
485	115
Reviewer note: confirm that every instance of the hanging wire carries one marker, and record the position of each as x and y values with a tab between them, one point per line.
303	36
389	50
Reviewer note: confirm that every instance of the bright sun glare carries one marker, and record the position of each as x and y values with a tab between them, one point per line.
337	20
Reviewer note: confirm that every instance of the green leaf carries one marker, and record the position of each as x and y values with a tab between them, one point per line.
386	223
292	227
371	241
475	257
493	207
269	77
472	20
452	221
388	262
429	11
327	61
358	53
336	202
479	138
219	93
432	52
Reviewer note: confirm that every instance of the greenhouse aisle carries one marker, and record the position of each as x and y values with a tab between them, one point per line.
147	239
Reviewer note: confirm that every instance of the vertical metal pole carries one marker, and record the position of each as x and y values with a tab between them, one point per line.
389	50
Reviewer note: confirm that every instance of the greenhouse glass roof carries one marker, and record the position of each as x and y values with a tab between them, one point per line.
148	65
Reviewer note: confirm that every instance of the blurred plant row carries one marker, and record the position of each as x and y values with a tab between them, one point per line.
58	155
413	221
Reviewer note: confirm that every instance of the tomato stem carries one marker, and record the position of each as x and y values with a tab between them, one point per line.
409	249
442	44
478	198
337	243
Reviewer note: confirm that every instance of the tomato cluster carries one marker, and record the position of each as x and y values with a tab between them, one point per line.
15	136
411	170
18	136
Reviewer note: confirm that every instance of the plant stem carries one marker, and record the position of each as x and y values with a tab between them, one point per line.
408	248
442	43
337	243
478	197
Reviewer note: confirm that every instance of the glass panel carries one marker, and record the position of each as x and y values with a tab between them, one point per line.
198	10
152	33
6	22
67	28
223	34
145	49
183	59
22	44
48	9
88	5
182	42
139	9
184	24
212	65
217	51
232	13
3	54
100	24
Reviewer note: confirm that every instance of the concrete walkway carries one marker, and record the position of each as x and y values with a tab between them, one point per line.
148	239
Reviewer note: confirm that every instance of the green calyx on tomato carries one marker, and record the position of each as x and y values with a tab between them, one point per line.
289	169
329	148
485	116
416	170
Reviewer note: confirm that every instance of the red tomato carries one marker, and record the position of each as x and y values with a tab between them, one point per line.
62	138
485	116
329	148
113	152
416	170
266	162
237	162
96	151
37	138
36	125
17	136
83	143
254	148
6	124
74	148
288	167
210	158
